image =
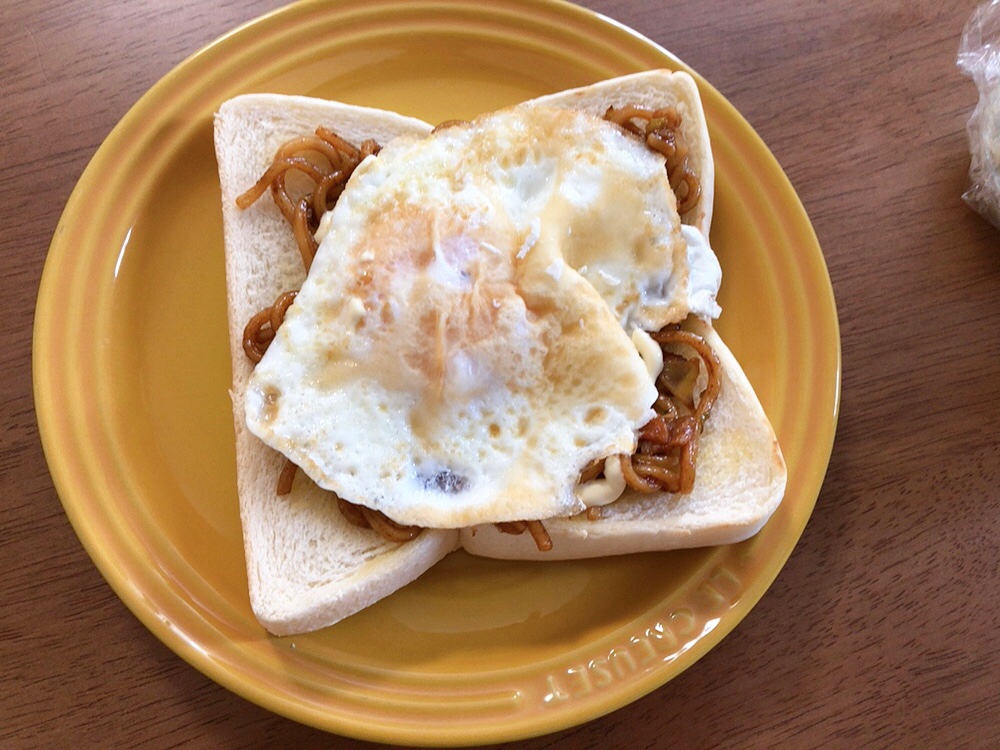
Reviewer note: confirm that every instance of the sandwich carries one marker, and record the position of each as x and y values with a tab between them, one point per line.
460	336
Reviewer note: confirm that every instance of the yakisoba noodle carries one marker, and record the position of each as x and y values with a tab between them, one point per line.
667	447
259	332
536	528
329	175
384	526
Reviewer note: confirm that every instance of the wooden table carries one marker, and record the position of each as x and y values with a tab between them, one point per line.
883	630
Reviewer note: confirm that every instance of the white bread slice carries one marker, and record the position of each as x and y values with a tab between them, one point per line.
306	566
739	483
654	89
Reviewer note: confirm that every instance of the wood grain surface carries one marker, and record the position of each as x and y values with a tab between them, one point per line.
883	630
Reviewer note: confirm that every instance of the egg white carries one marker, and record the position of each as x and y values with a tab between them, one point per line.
459	350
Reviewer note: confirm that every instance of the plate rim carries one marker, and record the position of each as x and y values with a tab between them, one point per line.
132	598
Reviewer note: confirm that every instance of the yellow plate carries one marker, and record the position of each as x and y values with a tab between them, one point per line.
131	376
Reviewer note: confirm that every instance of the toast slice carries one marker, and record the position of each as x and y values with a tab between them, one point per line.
307	567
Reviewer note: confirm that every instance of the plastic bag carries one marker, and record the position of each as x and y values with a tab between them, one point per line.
979	58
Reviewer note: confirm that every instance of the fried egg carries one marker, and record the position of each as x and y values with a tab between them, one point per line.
459	352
